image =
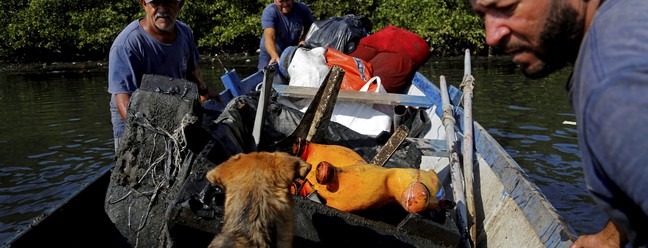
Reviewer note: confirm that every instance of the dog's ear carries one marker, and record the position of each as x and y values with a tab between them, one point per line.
235	157
214	175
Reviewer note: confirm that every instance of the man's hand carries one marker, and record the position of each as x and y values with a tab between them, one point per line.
610	236
273	60
210	95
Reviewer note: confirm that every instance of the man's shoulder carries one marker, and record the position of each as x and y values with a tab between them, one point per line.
620	13
269	16
617	38
133	26
183	25
270	9
301	7
130	32
184	28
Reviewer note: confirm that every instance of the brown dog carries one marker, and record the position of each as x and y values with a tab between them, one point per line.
258	205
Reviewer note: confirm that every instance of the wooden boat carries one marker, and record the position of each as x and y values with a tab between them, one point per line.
509	210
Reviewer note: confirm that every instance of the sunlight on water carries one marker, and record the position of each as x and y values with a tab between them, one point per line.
55	134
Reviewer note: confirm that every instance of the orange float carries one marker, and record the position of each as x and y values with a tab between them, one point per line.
345	181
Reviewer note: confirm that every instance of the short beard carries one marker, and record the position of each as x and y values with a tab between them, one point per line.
170	27
559	40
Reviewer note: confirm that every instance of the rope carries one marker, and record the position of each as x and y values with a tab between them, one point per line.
468	80
175	143
448	117
178	144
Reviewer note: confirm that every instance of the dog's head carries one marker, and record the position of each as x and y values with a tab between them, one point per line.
274	168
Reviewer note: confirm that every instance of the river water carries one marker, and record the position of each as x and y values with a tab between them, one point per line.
55	132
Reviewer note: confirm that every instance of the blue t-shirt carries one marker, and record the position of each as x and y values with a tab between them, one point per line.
135	53
609	93
288	28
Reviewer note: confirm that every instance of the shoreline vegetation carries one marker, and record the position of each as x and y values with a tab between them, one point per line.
230	60
46	31
53	67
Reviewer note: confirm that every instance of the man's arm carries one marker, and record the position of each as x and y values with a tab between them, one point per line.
121	100
610	236
270	45
196	77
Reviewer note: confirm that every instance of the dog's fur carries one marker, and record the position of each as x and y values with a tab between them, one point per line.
258	204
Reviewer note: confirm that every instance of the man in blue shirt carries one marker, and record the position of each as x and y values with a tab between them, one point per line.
607	43
156	44
285	23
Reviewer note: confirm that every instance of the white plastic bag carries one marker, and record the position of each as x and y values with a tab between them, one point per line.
364	118
308	67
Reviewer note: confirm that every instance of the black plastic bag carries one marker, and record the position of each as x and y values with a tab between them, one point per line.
340	33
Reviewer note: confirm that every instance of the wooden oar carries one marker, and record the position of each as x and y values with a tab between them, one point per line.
390	147
455	167
262	106
468	147
315	121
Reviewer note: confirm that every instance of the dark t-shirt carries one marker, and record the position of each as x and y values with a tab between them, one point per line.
288	28
609	93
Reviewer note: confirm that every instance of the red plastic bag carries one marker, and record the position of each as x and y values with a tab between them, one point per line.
395	69
357	71
398	40
395	54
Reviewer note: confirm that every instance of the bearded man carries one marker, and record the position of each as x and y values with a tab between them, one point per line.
606	42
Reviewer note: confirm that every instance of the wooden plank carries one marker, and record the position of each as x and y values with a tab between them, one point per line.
390	147
259	119
357	96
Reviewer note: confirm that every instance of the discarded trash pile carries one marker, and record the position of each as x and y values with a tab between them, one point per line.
159	196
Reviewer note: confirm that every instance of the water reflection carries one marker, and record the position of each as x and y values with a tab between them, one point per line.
54	135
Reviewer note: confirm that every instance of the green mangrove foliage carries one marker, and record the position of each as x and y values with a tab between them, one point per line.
61	29
45	30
